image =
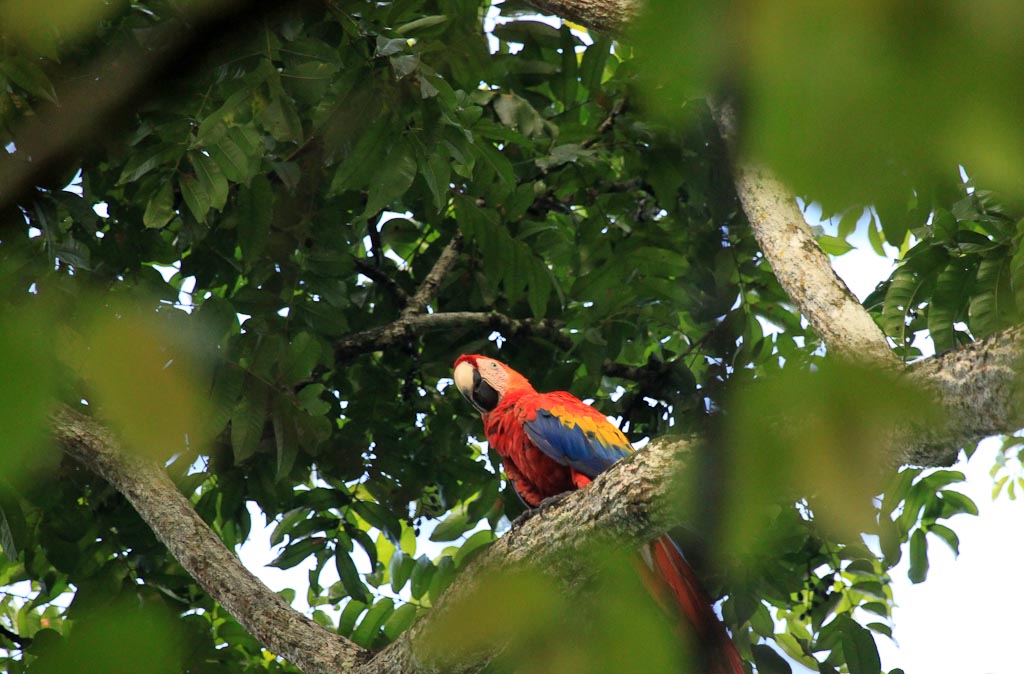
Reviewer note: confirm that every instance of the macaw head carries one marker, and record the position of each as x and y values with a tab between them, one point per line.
484	381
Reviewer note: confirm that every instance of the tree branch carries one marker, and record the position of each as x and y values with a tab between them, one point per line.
603	16
376	339
635	501
981	390
15	638
147	487
802	268
378	275
428	289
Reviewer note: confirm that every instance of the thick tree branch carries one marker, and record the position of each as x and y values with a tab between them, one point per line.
802	268
604	16
979	384
981	390
263	613
428	289
634	502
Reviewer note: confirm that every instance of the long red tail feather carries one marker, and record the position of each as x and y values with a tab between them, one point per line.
675	574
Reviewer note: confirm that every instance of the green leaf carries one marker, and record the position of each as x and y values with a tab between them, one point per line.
918	556
443	577
142	161
420	24
391	180
400	567
299	359
955	503
399	621
160	208
29	76
248	421
211	178
287	525
947	535
231	159
349	615
350	576
196	197
472	546
281	120
947	304
859	649
874	236
285	440
592	65
833	246
295	553
991	305
255	213
769	661
422	573
452	526
12	528
370	625
437	171
380	517
528	31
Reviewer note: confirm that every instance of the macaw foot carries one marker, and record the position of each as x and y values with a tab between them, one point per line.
544	505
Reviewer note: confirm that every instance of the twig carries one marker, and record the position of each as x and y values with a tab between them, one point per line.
376	339
428	289
605	124
375	245
378	275
14	637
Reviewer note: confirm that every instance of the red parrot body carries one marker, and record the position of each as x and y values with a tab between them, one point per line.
551	443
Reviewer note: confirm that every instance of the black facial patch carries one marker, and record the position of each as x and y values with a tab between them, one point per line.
484	397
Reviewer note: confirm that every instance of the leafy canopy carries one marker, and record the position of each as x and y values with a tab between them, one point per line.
211	239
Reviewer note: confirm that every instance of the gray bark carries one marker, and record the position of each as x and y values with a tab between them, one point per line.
634	502
802	268
147	487
980	388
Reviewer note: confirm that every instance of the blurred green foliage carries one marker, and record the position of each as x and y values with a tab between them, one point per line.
851	102
297	172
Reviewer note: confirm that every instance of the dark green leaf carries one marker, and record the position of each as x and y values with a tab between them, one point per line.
769	661
255	213
422	573
370	625
195	195
349	576
295	553
918	556
859	649
160	208
391	180
399	621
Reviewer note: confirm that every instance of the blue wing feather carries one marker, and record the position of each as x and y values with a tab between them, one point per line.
589	445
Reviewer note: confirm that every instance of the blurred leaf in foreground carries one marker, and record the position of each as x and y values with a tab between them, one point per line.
819	436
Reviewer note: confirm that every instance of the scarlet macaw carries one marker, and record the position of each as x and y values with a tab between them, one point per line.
551	443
